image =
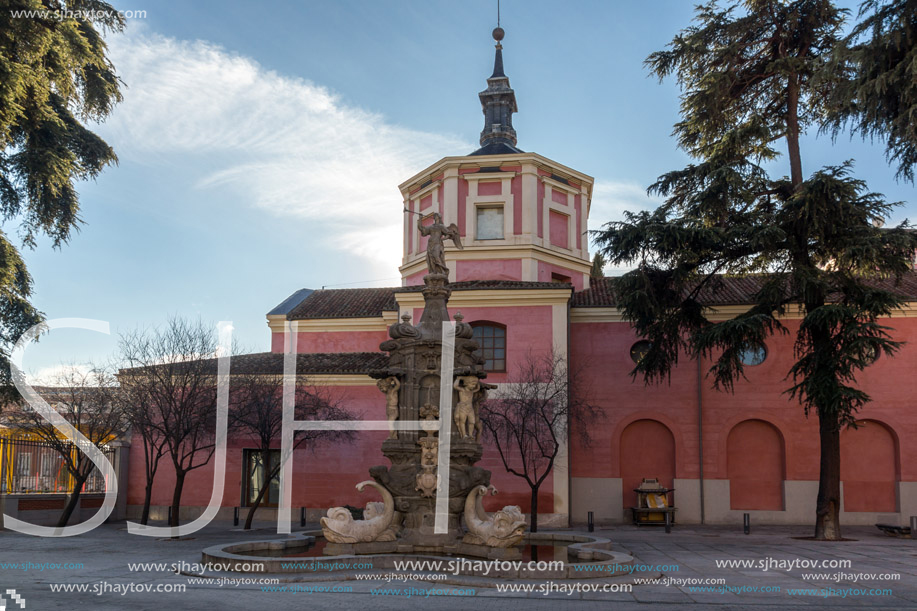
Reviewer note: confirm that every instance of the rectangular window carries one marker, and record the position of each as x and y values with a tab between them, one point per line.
24	467
50	465
47	465
558	225
490	222
255	474
492	346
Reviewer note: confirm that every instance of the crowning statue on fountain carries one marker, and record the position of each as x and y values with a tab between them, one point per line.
436	252
404	521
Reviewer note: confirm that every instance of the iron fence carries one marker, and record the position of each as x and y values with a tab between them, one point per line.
35	467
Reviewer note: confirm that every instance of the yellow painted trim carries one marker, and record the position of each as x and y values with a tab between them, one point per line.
492	298
595	315
496	160
351	379
422	193
275	322
488	176
588	315
556	184
332	325
527	250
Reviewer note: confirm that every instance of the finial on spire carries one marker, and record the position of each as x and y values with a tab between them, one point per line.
498	102
498	32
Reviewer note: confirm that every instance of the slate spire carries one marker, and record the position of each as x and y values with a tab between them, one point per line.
498	102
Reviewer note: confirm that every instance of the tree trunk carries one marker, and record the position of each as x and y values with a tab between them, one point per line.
828	505
534	525
72	501
147	498
792	131
258	499
176	496
151	467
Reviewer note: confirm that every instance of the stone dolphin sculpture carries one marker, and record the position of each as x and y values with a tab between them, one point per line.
340	527
504	528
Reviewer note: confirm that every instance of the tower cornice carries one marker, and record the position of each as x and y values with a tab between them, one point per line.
471	161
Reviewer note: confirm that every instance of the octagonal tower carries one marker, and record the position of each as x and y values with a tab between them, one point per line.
521	216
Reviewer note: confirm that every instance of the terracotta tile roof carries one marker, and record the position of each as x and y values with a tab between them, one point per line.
319	362
345	303
726	290
362	303
314	363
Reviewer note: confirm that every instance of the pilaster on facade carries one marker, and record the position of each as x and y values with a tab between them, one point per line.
450	195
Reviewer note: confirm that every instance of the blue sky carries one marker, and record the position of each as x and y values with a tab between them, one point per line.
261	145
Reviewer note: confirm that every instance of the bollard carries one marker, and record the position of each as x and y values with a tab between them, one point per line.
302	517
235	516
668	521
913	527
590	521
746	522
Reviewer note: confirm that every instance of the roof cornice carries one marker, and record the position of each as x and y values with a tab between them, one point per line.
495	160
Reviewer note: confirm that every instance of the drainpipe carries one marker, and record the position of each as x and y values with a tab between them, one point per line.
569	457
700	433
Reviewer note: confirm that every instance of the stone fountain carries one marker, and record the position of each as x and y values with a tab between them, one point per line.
404	521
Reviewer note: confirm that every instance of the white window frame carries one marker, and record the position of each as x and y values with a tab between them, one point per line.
491	206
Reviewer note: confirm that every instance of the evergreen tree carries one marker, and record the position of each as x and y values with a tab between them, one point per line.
878	71
54	76
813	245
598	266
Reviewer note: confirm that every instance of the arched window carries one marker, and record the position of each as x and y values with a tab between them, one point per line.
491	338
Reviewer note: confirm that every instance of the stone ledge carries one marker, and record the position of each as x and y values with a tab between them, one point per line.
604	563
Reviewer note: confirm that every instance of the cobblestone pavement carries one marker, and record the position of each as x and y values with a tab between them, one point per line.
695	566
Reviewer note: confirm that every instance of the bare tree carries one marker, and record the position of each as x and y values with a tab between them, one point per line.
542	404
256	410
172	372
86	399
135	398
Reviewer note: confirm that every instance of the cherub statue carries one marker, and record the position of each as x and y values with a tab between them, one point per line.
437	232
390	386
464	418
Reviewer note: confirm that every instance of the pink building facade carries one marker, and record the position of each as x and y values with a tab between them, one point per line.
523	280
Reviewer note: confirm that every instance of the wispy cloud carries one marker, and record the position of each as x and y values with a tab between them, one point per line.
57	375
610	200
284	144
287	145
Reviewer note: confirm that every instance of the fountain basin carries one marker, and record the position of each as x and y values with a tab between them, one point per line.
602	561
